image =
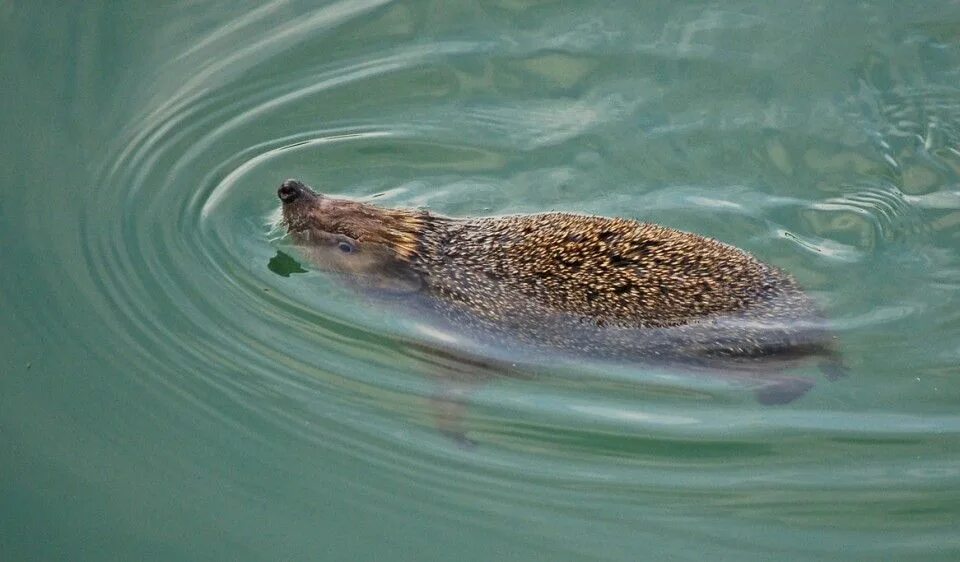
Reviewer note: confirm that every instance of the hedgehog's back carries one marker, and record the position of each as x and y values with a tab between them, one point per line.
613	272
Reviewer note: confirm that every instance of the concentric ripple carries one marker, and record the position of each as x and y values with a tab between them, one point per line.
184	269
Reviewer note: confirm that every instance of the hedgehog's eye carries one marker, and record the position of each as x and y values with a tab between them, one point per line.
346	247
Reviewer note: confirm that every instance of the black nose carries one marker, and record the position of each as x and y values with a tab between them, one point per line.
290	191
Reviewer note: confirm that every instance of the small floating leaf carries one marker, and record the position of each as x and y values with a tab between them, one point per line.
283	265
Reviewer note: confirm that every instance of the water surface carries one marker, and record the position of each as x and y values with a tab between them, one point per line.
166	393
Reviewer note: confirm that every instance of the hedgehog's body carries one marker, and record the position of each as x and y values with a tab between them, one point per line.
610	288
570	284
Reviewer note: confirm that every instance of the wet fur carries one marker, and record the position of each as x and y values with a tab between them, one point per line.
577	285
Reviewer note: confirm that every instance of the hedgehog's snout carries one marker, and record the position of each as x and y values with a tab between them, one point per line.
293	190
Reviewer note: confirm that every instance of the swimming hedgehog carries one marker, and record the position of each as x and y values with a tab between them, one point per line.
561	284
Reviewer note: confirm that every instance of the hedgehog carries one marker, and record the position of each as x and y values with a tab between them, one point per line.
572	285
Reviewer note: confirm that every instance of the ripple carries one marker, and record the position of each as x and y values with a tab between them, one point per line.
866	218
265	156
931	115
177	240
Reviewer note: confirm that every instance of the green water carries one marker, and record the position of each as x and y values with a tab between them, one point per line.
166	395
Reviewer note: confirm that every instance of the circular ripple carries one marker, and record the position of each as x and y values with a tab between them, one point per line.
178	243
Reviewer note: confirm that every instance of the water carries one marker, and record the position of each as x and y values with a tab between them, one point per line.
166	393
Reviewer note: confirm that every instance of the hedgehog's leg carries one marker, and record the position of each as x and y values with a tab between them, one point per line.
782	390
449	407
455	377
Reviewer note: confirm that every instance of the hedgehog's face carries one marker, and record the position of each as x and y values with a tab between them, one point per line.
344	237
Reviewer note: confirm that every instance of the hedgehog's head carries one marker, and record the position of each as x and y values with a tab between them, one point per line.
373	244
